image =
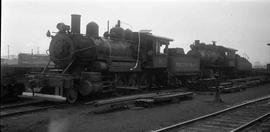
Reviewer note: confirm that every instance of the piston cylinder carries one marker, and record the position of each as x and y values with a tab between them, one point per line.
90	83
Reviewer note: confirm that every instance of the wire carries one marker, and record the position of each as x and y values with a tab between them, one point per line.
127	24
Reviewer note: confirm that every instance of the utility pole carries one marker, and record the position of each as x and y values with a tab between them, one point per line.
268	44
269	52
38	50
8	51
268	65
108	26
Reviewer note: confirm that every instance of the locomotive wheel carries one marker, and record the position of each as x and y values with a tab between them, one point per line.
132	80
71	95
143	81
121	80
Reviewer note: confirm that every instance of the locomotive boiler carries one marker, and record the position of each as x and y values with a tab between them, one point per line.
89	50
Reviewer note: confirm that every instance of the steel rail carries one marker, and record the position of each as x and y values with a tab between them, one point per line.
251	123
26	111
210	115
20	104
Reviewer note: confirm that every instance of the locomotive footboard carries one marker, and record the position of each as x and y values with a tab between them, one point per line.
54	84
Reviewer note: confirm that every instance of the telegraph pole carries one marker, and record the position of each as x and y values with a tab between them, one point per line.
8	51
268	65
38	50
268	45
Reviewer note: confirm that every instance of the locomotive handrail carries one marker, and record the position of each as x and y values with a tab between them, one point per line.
68	66
138	54
79	50
46	66
110	50
83	49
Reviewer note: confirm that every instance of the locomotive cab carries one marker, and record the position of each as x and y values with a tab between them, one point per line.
155	58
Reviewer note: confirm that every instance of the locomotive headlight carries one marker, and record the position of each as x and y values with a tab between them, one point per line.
61	26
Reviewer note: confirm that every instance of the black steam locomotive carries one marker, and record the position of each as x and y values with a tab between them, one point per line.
220	61
88	64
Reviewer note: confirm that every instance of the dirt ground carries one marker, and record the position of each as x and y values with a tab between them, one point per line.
79	117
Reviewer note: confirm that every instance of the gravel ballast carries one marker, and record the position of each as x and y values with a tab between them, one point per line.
79	117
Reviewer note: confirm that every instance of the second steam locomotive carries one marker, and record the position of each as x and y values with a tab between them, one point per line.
122	59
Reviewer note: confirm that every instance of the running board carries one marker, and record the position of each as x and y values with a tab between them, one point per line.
48	97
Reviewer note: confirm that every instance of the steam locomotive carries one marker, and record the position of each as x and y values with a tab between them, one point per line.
122	59
220	61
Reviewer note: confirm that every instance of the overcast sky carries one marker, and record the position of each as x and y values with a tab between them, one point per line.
242	25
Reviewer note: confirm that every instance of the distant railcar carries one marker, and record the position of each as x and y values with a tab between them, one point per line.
13	80
25	59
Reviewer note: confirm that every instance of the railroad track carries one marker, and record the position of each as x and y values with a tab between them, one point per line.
24	108
262	126
233	119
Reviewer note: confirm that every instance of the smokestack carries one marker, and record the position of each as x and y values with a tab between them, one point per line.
75	23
